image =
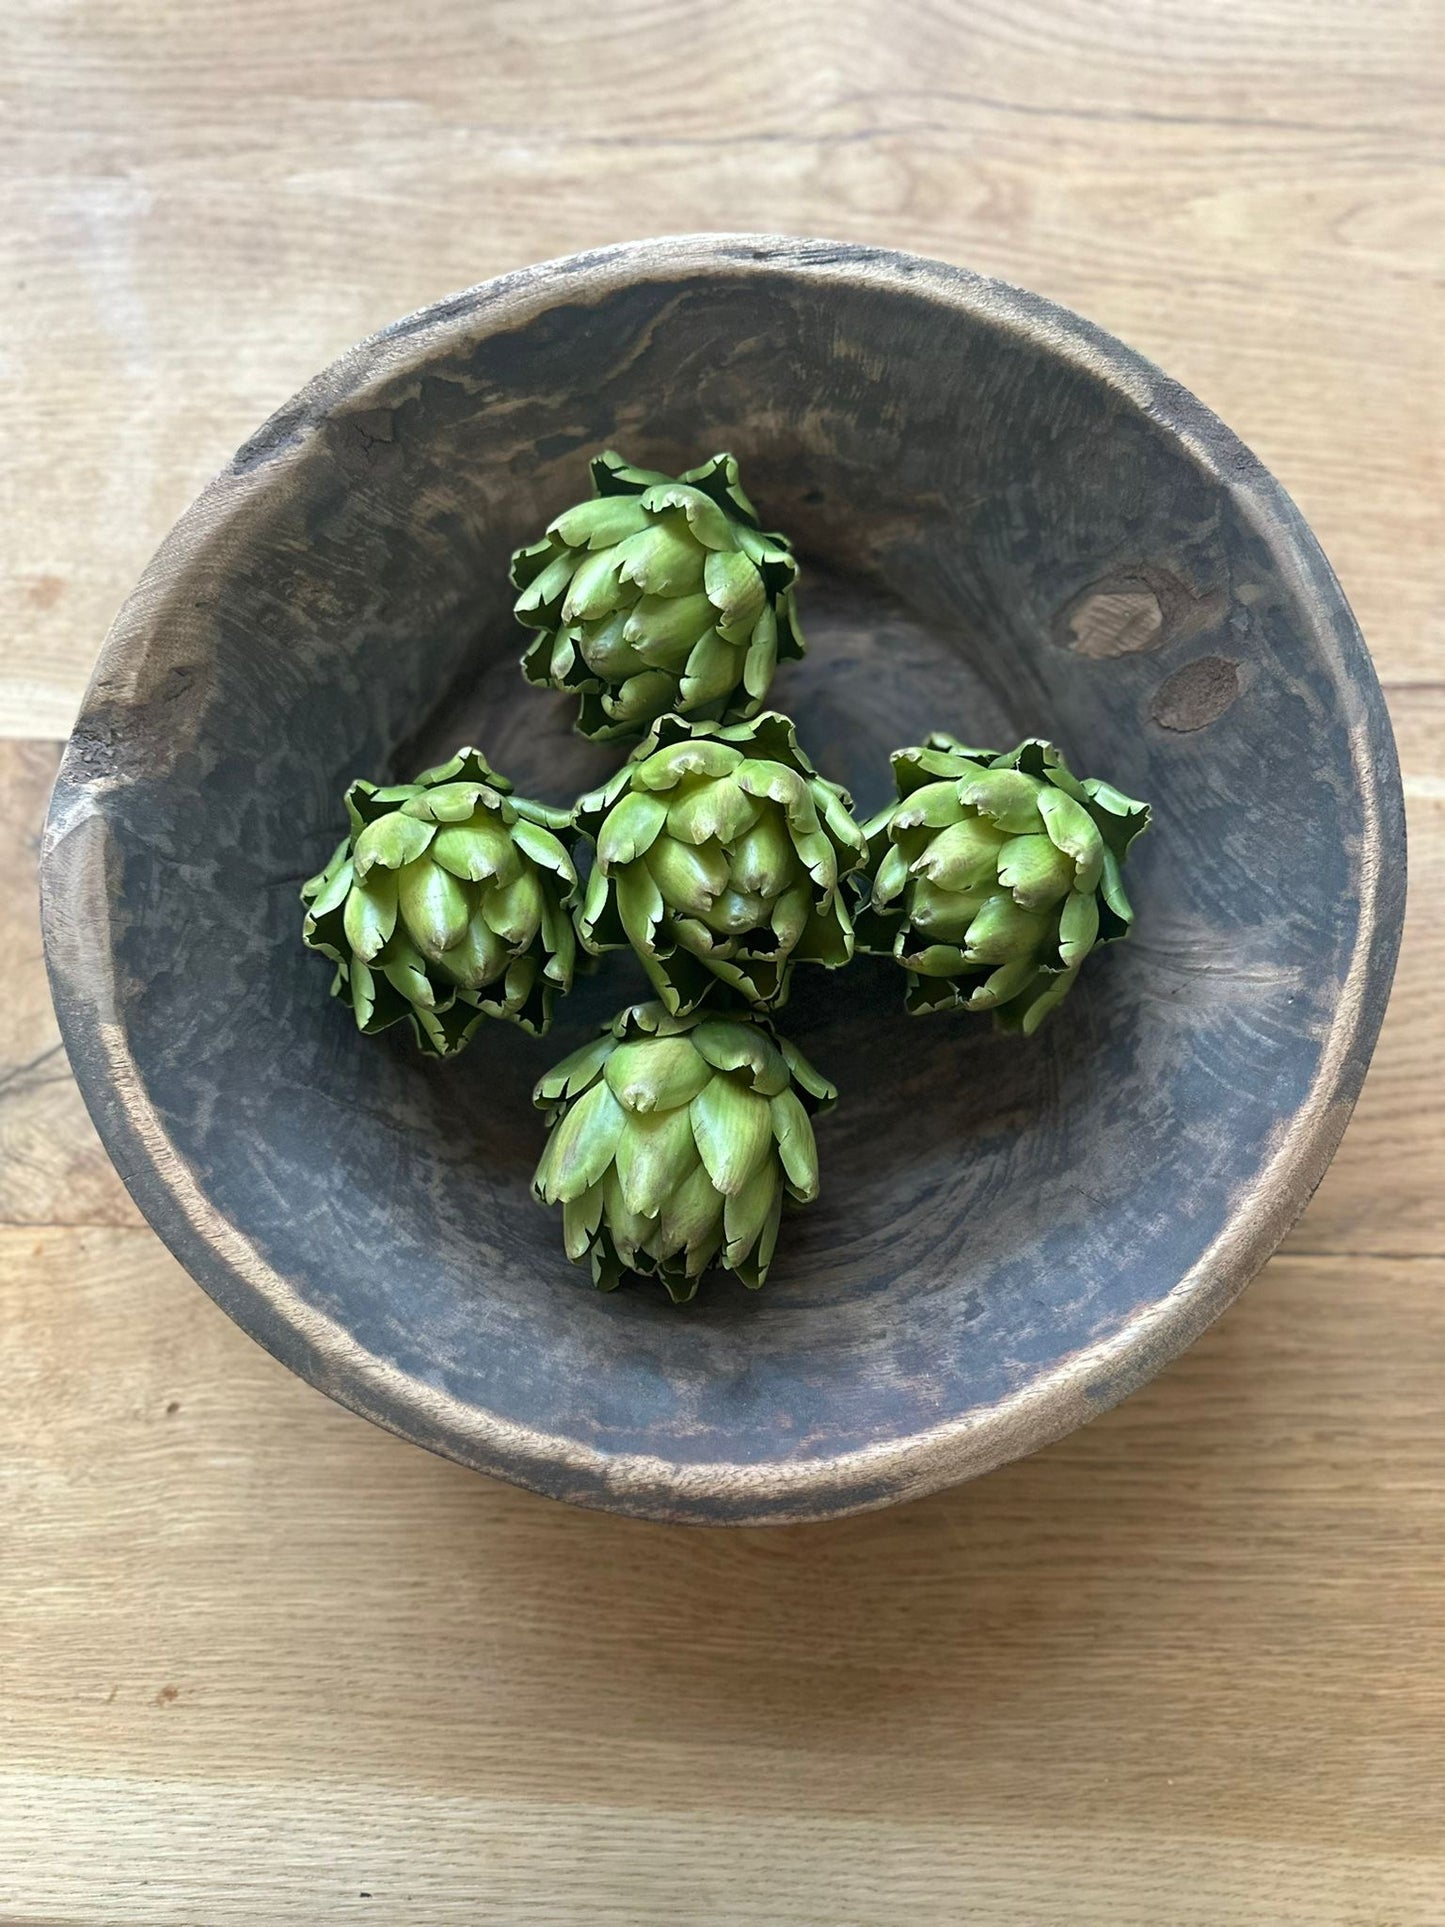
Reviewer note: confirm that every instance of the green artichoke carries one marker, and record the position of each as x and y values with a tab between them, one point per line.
658	595
720	852
673	1143
449	901
993	877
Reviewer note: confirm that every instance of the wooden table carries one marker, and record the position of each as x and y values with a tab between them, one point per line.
260	1663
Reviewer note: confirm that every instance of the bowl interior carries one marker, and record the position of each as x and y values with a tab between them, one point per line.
999	537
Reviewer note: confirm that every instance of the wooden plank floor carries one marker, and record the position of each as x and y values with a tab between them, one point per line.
261	1663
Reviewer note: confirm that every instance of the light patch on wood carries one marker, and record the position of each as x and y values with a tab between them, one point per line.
1116	622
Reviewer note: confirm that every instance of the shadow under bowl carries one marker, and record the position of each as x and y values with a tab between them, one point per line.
1009	525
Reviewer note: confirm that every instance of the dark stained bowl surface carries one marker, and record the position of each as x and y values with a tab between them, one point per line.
1009	525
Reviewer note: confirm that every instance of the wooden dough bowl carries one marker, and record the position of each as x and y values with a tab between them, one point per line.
1009	525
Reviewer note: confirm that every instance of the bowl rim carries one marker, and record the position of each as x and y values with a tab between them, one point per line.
76	910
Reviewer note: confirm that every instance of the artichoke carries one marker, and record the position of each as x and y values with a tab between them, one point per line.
720	852
658	595
449	901
673	1143
993	877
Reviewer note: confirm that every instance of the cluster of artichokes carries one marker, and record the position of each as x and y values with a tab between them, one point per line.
722	859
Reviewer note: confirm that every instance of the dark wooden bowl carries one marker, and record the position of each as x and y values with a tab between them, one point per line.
1010	525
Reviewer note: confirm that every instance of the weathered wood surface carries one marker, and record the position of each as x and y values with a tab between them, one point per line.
1250	195
1012	1238
257	1660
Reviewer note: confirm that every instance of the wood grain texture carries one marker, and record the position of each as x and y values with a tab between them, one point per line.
1382	1196
202	207
52	1167
264	1657
260	1662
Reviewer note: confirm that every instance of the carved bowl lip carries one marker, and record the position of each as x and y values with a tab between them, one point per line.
219	1256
